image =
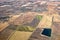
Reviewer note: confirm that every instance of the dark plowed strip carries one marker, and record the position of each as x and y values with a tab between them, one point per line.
37	36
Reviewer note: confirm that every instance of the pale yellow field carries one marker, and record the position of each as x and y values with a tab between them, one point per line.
18	35
45	22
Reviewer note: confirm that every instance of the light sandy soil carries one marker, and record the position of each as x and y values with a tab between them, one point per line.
18	35
56	18
3	25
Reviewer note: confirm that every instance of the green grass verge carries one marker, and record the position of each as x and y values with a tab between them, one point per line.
39	17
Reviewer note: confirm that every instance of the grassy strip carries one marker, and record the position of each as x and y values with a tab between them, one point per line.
26	28
39	17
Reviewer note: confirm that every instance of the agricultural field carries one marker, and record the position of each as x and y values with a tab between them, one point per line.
29	20
32	25
24	30
18	35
